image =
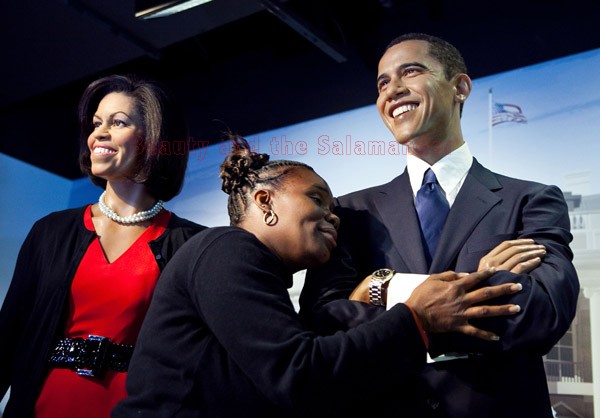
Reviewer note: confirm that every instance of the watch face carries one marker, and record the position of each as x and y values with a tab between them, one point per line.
383	273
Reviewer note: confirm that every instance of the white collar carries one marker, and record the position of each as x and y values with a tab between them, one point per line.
450	170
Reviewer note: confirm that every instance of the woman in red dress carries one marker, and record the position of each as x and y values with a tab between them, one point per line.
85	277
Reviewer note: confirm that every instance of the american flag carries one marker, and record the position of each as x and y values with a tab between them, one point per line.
504	112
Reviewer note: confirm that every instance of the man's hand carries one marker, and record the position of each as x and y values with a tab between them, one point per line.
361	292
517	256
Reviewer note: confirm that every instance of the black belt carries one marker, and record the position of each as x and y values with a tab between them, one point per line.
91	356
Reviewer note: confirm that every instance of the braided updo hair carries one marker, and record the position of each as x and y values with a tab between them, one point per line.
244	170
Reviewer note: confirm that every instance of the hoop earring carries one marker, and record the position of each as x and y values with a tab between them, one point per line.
270	218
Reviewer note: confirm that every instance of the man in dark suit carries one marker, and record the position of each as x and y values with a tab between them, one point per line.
422	85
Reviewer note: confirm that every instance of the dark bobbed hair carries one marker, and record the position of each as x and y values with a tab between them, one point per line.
164	153
244	170
442	51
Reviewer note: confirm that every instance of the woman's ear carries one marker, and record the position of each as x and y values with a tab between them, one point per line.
262	199
463	86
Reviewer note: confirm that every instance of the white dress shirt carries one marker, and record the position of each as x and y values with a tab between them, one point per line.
451	172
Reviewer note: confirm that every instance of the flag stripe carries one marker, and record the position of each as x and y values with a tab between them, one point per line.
506	112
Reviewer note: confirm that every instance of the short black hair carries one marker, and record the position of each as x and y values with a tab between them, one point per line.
443	51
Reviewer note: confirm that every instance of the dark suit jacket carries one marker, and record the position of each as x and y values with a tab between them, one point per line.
379	228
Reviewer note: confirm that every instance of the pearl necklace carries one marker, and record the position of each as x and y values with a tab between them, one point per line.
131	219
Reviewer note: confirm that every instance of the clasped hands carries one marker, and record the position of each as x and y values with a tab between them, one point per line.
445	302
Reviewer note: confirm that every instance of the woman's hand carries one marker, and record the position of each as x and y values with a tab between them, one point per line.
517	256
445	302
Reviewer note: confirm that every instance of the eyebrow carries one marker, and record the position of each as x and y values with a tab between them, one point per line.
324	189
327	192
112	115
402	67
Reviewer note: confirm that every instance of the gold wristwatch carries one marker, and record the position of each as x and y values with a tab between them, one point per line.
380	279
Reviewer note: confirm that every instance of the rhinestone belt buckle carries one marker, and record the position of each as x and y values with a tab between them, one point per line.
95	348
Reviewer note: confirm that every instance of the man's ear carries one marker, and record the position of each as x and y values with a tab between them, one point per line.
462	86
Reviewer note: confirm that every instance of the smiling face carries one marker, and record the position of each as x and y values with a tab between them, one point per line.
118	126
305	232
416	101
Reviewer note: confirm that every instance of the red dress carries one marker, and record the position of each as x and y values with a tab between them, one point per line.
110	300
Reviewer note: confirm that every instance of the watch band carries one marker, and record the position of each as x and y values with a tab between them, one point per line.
379	280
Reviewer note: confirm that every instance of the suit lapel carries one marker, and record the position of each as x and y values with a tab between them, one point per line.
397	210
475	199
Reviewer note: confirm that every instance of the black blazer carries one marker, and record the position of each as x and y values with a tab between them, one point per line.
32	315
379	228
222	340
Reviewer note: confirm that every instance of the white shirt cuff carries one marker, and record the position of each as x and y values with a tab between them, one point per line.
401	287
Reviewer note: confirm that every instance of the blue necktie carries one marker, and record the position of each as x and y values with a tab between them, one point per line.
432	208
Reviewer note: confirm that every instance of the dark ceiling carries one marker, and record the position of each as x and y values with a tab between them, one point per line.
249	65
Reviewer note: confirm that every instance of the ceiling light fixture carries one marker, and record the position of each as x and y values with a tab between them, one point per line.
146	9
